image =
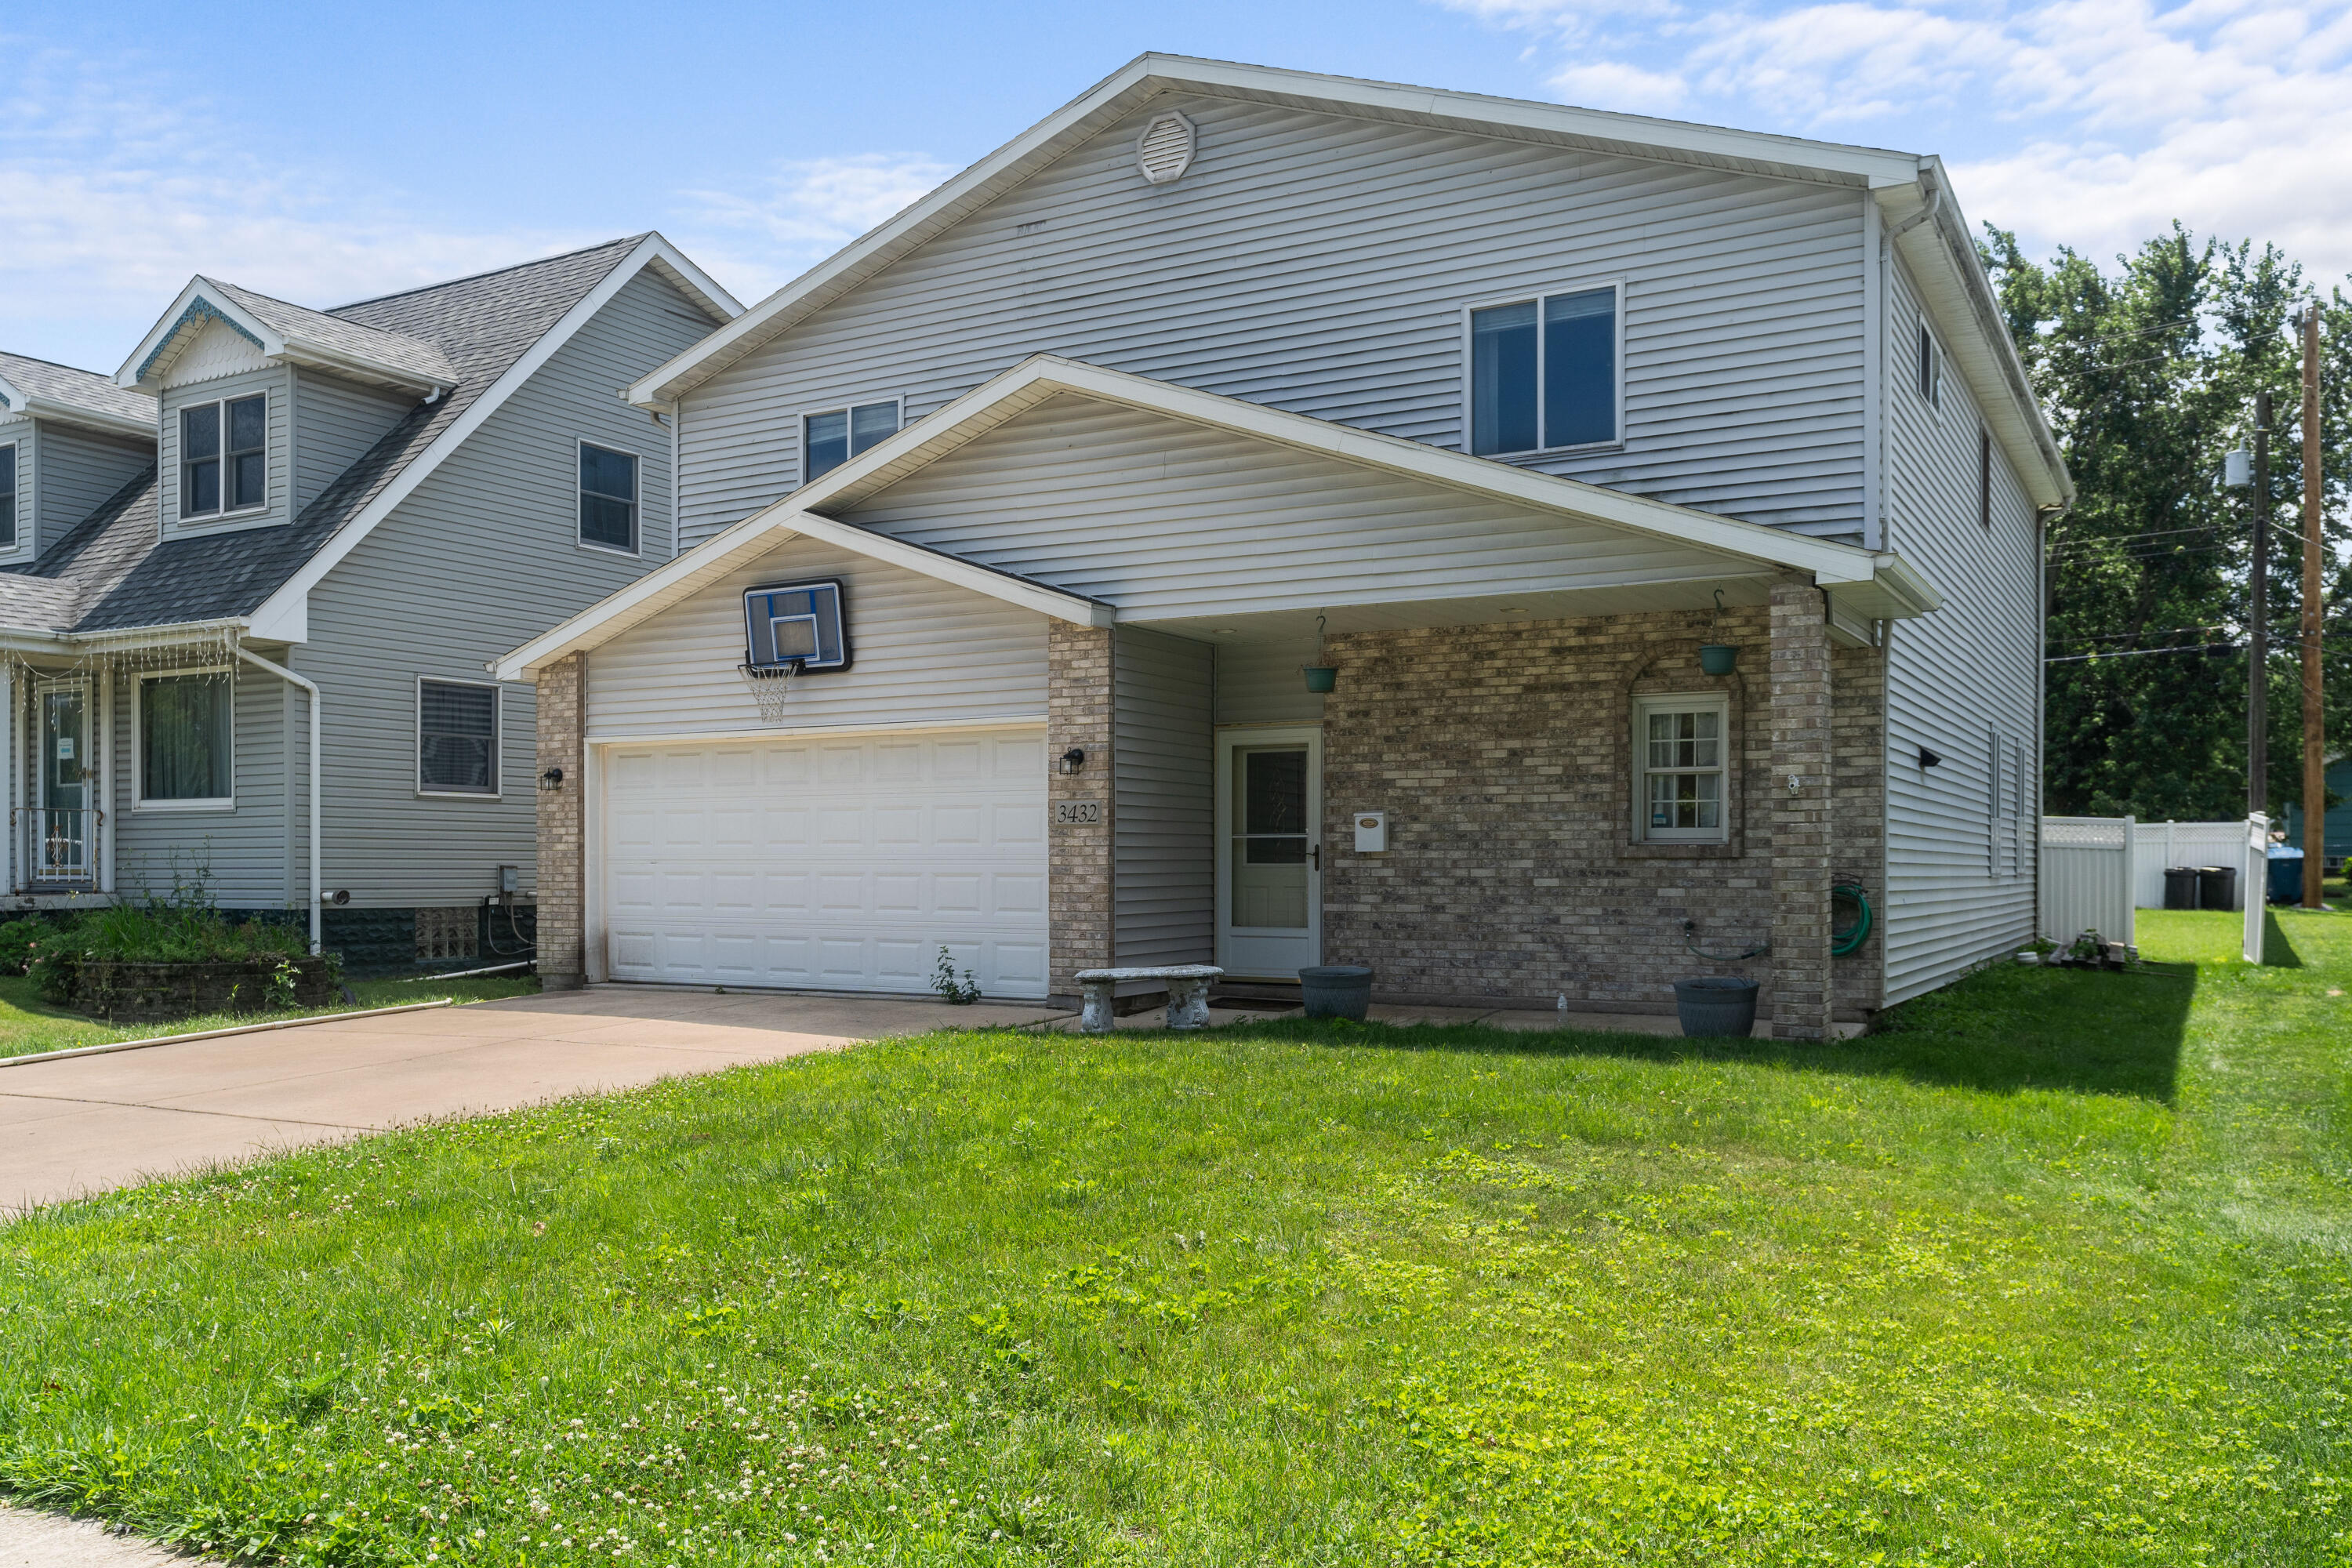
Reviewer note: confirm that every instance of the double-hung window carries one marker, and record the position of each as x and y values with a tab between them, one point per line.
456	738
1679	769
608	499
224	456
184	727
7	495
1544	373
832	438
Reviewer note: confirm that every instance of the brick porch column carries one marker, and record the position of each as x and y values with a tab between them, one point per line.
563	818
1079	673
1800	816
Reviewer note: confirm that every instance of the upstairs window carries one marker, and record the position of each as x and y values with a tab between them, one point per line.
7	495
1931	369
608	499
224	457
1678	768
456	738
1984	479
1543	372
185	730
832	438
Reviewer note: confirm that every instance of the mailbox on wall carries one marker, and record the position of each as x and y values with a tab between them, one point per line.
1371	832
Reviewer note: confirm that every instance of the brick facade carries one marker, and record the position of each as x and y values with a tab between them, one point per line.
1503	755
563	903
1801	789
1078	698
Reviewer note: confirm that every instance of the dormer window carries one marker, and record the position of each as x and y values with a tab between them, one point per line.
9	496
219	476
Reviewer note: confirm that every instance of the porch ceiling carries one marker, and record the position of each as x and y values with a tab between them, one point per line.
1287	626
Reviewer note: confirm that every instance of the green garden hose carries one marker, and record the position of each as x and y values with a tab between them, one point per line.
1846	939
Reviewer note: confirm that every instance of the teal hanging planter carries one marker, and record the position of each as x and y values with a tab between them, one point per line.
1717	658
1320	676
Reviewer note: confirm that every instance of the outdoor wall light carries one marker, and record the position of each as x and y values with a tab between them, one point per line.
551	780
1072	759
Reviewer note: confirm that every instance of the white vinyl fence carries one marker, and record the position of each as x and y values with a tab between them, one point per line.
2095	871
2157	846
2086	877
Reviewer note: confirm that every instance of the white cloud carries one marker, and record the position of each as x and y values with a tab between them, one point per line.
2089	122
804	211
112	196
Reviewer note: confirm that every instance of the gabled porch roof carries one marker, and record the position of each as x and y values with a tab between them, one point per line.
1589	550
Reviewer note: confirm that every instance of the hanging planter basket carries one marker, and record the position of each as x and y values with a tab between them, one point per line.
1718	658
1320	676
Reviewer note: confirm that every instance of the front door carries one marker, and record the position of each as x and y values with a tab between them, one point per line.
1270	851
62	818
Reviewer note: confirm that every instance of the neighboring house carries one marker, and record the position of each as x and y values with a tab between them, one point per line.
1051	486
266	670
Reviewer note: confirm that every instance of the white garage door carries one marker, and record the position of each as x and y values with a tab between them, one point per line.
829	864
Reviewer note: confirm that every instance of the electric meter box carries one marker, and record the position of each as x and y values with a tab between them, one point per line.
1371	832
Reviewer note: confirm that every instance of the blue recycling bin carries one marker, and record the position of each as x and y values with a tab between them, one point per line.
2286	874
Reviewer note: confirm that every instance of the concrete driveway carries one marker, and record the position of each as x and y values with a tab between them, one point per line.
88	1123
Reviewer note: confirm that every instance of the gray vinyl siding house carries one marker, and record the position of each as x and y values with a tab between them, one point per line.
411	506
1167	433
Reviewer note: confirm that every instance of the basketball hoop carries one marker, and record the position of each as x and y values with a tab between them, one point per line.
768	684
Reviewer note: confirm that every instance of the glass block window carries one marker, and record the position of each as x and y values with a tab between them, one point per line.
1543	372
456	738
832	438
608	499
1679	746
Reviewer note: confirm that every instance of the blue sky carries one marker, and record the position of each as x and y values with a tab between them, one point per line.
325	154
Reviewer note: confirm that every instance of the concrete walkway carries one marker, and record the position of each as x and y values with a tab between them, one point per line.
88	1123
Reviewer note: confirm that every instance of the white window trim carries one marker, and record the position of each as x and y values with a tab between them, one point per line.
16	444
1537	296
1719	704
498	741
800	424
636	504
138	801
181	521
1928	369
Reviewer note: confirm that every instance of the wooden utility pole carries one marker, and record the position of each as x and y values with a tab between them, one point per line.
2314	760
2258	626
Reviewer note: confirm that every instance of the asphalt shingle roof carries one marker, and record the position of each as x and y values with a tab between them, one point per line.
395	349
82	389
479	325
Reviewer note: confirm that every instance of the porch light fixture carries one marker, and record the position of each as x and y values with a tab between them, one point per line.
1072	760
551	780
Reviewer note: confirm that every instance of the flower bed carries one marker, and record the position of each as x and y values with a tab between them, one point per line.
131	990
162	960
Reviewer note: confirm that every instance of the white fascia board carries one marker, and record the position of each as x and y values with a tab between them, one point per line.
1830	563
88	418
284	616
174	321
715	558
693	279
1149	76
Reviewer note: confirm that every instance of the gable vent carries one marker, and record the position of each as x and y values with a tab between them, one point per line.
1165	149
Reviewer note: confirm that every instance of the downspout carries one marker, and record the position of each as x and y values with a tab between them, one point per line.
282	673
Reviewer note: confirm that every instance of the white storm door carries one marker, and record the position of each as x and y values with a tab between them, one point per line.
829	864
1269	851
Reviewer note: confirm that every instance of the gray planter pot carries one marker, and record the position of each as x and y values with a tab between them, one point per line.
1716	1005
1336	990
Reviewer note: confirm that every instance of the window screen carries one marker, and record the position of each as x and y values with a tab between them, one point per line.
1543	372
456	738
608	498
183	737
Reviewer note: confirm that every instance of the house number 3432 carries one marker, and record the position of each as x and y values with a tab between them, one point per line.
1076	812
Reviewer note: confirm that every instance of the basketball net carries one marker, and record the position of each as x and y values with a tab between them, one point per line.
769	683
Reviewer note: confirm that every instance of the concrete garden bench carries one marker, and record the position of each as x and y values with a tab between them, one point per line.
1188	994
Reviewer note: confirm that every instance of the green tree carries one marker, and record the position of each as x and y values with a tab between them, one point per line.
2148	374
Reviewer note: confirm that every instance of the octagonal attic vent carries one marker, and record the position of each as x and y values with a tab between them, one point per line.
1165	149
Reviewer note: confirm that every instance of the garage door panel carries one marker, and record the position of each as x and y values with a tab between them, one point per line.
841	863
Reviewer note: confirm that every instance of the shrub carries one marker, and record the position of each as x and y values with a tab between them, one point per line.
157	933
18	938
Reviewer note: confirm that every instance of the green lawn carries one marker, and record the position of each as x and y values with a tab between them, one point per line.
2053	1271
28	1025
